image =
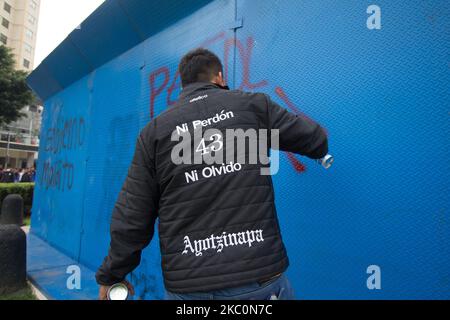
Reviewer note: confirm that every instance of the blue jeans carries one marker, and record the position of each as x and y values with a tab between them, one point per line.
275	289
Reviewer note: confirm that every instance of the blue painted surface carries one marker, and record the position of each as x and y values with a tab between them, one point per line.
115	27
47	269
382	95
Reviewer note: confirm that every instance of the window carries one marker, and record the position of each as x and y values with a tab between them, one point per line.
31	19
28	48
29	34
7	7
5	23
26	63
3	39
33	4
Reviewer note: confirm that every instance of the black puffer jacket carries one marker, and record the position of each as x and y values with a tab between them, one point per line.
218	226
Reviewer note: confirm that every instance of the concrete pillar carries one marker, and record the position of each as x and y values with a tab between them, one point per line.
12	210
12	259
30	159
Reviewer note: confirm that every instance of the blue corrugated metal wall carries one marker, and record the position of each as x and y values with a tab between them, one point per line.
382	95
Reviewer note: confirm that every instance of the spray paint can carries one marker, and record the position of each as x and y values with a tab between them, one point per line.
326	161
118	291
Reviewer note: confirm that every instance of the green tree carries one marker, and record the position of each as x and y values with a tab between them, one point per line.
14	92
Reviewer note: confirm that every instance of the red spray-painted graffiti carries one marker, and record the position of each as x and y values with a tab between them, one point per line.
163	77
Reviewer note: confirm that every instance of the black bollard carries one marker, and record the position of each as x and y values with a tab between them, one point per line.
12	259
12	210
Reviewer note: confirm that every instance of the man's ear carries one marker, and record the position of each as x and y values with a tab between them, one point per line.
221	79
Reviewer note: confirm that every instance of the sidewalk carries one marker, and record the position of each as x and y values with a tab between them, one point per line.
39	295
47	270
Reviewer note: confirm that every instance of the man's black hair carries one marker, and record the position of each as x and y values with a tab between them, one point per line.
199	65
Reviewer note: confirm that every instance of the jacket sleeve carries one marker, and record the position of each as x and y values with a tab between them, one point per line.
133	218
297	133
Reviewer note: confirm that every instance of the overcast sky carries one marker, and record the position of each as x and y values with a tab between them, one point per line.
57	19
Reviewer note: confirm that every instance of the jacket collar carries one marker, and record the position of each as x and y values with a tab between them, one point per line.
194	88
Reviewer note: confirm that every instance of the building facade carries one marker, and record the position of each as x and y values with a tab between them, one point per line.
19	141
18	29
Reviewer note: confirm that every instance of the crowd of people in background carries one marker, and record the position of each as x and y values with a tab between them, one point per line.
14	175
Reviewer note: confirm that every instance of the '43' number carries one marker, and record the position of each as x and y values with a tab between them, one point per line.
215	145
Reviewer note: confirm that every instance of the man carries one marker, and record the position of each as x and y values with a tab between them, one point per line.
8	176
218	227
